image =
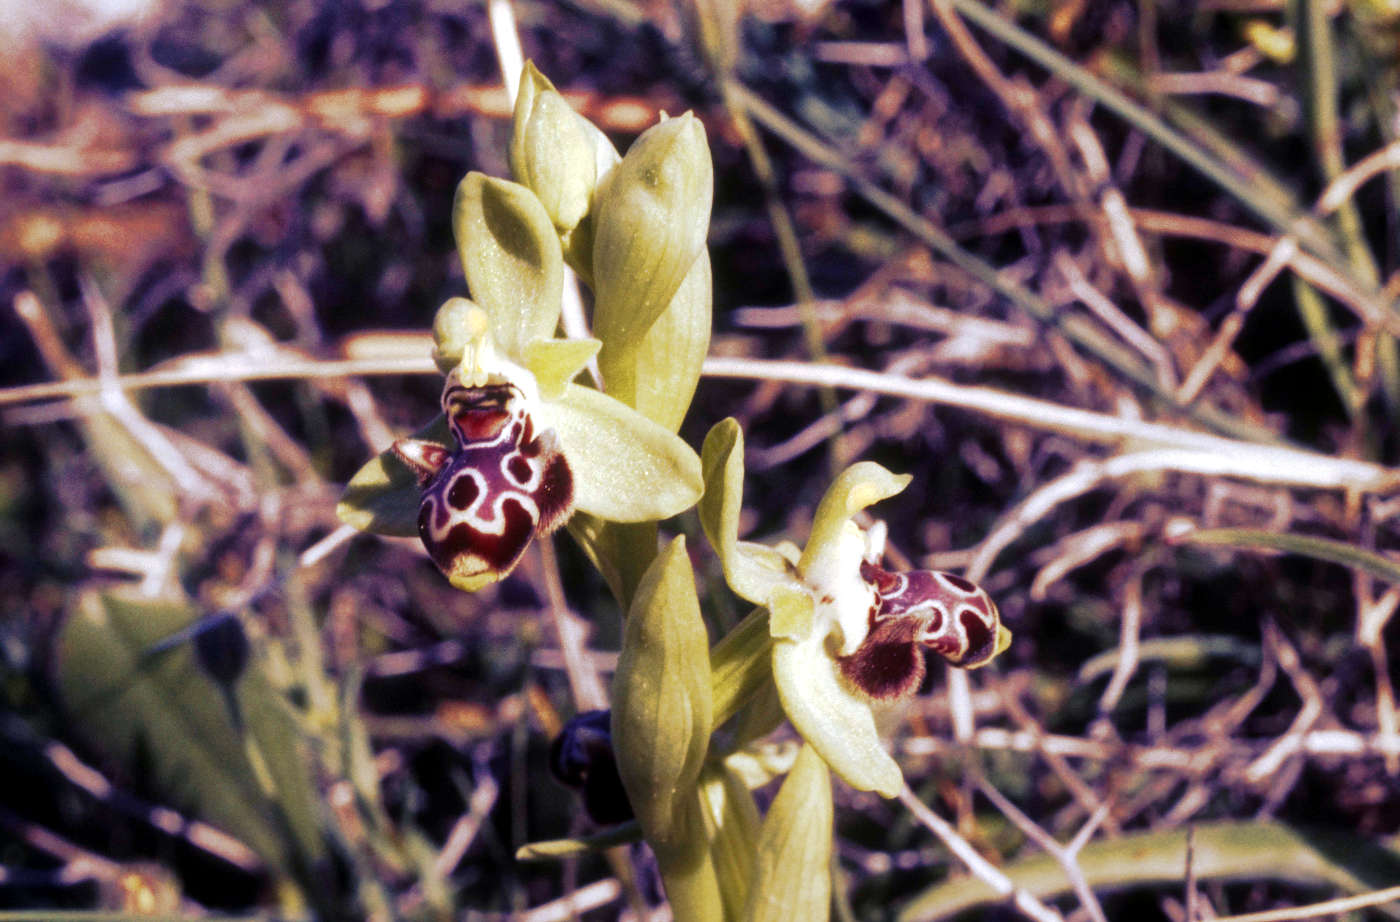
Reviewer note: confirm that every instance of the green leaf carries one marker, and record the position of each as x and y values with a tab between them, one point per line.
551	151
793	878
1245	851
662	707
1329	549
559	849
862	484
652	217
154	710
626	468
383	496
556	362
658	376
835	719
512	259
751	570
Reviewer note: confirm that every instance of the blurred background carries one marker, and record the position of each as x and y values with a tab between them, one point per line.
1122	275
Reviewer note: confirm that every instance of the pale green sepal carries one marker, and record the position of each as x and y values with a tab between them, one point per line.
662	707
652	215
833	718
793	876
551	151
626	468
383	496
751	570
512	259
658	377
722	464
733	825
556	362
578	243
862	484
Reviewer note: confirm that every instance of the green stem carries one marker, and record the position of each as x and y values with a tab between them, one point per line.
633	550
1312	310
688	870
1341	552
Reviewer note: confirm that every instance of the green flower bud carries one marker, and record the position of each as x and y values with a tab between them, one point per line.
551	151
658	377
662	709
651	215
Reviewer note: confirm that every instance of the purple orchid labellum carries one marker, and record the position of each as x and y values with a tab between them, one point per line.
503	484
945	613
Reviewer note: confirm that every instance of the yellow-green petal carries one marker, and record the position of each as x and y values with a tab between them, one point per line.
790	613
751	570
556	362
626	468
512	259
831	716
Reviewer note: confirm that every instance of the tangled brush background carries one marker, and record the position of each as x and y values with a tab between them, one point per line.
1115	282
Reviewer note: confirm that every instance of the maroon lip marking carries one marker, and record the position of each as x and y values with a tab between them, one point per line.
888	665
486	500
930	609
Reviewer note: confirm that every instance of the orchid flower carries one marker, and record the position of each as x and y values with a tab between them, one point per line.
519	447
847	635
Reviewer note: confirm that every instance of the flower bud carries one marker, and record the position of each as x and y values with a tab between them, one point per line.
652	216
582	758
662	708
657	378
551	151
